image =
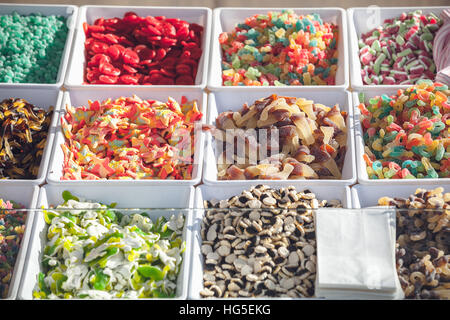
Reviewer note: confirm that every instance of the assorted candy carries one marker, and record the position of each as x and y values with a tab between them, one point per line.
422	246
280	48
31	47
400	51
281	138
129	138
24	130
407	135
12	227
142	50
94	251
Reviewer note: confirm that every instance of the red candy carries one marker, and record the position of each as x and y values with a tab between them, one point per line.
142	51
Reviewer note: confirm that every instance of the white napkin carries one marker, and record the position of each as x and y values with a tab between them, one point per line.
356	254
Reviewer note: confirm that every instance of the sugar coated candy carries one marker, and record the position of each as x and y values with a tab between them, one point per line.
399	52
138	50
280	48
31	47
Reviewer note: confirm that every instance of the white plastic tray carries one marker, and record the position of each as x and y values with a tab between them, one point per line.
363	177
43	98
234	99
68	11
79	97
199	15
367	196
26	196
225	19
205	192
364	19
130	197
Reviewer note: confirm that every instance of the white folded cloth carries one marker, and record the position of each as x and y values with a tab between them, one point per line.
356	254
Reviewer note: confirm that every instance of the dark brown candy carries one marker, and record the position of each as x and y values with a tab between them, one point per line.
24	129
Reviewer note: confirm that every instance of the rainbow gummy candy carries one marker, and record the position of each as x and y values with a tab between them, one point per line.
407	135
280	48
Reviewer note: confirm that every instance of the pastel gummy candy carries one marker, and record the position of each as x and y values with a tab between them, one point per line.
129	138
136	50
31	47
280	48
400	51
407	135
12	227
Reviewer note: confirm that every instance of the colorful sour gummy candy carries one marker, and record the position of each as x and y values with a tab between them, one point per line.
407	135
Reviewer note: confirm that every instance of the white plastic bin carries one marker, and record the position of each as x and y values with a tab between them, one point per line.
167	201
233	100
364	19
42	98
79	97
205	192
69	11
225	19
199	15
26	196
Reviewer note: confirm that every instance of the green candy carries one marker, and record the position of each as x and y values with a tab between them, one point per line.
32	46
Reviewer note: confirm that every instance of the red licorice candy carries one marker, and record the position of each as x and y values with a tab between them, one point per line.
138	50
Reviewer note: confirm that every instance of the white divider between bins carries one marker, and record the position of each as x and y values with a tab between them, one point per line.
225	20
363	177
79	97
26	196
43	98
89	13
69	11
166	200
233	100
207	192
359	21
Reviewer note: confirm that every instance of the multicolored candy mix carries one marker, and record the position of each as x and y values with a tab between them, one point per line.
12	227
31	47
96	252
142	51
407	135
400	51
24	128
129	138
280	48
422	243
